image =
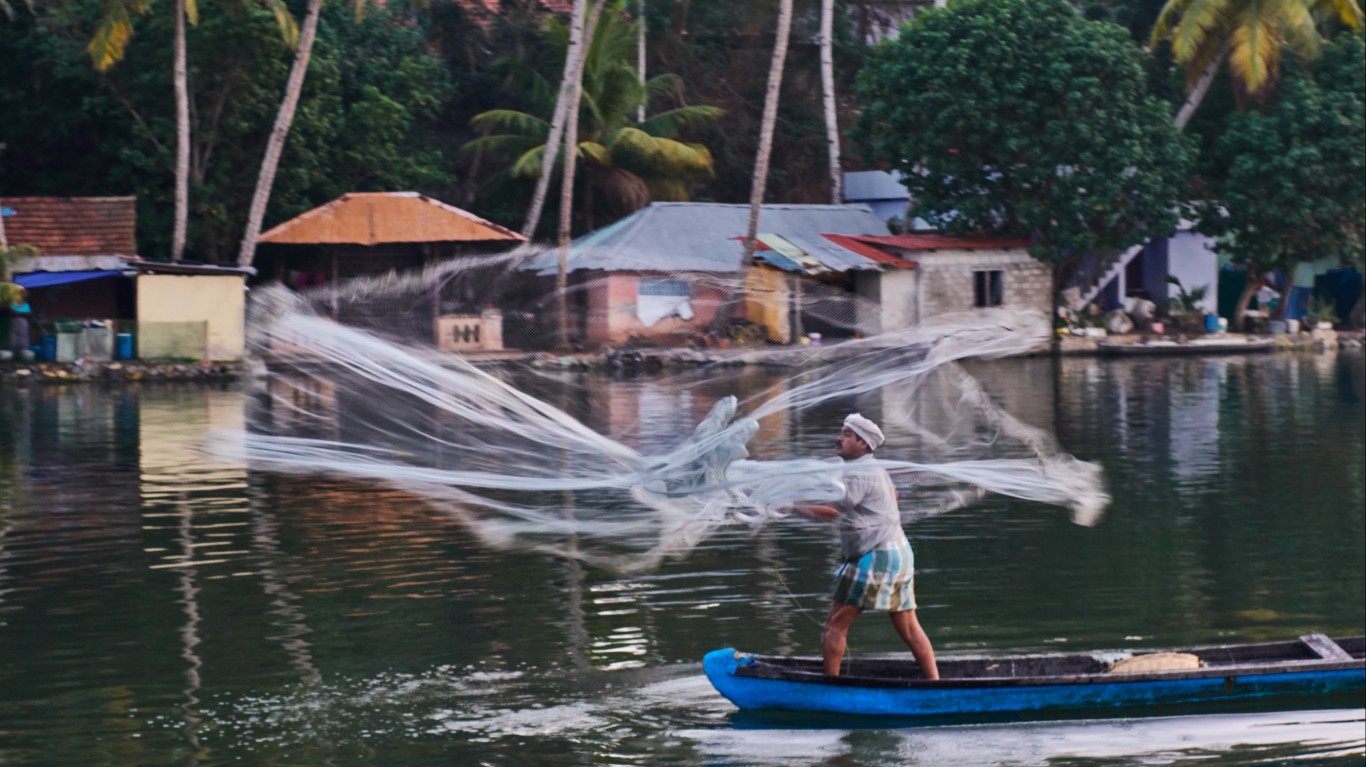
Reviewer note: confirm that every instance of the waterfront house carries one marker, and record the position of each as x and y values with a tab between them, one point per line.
662	274
371	233
952	274
87	285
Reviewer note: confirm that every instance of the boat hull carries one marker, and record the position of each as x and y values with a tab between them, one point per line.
929	699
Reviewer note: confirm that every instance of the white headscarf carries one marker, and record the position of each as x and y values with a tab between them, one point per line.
865	429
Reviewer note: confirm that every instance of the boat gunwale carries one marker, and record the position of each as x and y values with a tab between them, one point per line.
765	667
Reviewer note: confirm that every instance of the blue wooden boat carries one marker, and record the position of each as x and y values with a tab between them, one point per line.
1313	671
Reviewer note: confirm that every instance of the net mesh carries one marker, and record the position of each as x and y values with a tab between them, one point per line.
378	381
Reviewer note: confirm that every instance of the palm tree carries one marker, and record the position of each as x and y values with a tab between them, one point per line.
770	118
832	131
572	73
275	145
632	163
108	46
1248	34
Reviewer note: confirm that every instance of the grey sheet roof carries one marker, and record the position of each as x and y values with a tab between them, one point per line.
703	237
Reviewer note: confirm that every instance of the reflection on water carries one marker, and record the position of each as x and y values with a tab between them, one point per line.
157	607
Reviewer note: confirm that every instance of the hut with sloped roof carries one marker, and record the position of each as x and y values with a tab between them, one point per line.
662	274
374	233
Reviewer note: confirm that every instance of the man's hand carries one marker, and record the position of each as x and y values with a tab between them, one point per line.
822	511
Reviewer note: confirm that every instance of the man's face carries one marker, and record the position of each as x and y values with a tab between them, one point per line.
849	445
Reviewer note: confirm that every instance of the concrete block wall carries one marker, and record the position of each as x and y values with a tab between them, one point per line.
948	279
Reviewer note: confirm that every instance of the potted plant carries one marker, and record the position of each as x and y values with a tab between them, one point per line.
1184	308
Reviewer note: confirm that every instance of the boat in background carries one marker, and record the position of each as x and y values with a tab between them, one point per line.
1314	670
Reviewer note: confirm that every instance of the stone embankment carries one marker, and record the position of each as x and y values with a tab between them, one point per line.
24	373
627	360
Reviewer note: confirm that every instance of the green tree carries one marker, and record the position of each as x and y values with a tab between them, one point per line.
367	118
1022	118
628	163
1290	182
107	47
1248	34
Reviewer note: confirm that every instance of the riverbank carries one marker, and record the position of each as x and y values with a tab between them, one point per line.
625	360
27	373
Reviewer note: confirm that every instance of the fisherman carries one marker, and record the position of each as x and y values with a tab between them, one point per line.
878	572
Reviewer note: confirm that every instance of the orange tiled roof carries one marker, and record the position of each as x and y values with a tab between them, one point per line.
73	226
375	218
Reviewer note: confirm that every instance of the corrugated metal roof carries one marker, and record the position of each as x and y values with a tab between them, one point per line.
941	242
706	237
73	226
870	251
375	218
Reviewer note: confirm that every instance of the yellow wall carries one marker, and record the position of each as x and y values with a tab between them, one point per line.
219	301
766	303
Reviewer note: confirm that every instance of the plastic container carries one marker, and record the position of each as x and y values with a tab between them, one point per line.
47	348
815	338
1277	327
1158	328
1223	324
1211	323
123	346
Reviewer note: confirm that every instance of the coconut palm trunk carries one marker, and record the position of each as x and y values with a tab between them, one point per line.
640	57
182	146
571	143
275	146
1201	87
573	71
832	130
770	118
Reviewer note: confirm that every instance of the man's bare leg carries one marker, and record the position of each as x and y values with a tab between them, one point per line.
908	626
836	635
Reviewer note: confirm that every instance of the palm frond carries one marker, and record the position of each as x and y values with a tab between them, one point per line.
1255	55
1347	11
592	150
111	37
510	121
1167	20
192	12
664	86
500	146
1297	27
669	124
1204	22
284	20
528	165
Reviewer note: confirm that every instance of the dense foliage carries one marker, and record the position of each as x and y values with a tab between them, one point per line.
1289	183
1022	118
366	121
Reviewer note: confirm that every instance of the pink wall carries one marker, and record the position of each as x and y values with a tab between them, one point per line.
612	321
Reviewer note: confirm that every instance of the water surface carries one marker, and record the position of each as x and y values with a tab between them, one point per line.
159	608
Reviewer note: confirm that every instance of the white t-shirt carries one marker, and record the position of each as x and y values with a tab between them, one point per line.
869	516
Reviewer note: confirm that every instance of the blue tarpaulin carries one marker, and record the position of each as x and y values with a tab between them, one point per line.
48	279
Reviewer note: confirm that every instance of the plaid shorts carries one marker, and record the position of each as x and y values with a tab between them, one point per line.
882	580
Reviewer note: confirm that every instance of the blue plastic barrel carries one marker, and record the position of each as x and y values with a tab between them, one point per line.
123	346
47	348
1211	323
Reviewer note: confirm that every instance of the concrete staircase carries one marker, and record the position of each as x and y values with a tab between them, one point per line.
1109	268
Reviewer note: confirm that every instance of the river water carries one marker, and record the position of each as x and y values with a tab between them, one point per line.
158	608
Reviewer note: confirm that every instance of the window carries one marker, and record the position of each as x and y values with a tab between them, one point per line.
988	288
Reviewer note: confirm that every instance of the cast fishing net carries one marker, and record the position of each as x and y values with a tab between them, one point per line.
361	389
